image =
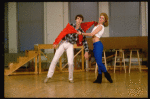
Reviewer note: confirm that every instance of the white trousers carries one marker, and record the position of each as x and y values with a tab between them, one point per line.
64	46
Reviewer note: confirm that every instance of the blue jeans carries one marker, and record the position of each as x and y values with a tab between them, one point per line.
98	50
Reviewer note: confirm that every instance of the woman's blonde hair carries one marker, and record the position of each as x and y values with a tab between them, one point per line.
106	19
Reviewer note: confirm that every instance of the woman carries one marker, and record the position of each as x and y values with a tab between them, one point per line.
98	46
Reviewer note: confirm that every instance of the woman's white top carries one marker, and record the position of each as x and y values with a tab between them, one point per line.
99	34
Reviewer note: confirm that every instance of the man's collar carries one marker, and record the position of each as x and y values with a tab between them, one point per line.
79	27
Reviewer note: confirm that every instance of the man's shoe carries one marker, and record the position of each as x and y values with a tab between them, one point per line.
46	79
71	81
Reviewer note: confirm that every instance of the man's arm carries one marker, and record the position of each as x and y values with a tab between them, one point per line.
67	30
85	44
86	48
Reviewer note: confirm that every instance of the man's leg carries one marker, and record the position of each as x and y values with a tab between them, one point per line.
56	57
70	56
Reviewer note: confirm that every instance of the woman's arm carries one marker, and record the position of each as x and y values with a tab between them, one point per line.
99	28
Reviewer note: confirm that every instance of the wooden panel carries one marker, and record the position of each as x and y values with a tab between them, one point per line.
43	46
35	47
75	46
121	42
50	46
143	42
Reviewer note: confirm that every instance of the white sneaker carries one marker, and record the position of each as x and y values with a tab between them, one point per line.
71	81
46	79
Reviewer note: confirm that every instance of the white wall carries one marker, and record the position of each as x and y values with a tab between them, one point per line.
12	27
55	19
124	19
104	7
144	18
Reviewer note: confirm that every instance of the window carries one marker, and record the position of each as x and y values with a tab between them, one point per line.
124	19
30	25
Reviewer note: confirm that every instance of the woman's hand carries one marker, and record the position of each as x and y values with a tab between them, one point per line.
79	33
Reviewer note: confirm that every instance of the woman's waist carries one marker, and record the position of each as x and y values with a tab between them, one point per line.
95	39
97	43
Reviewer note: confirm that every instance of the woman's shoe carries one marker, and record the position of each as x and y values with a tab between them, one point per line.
108	77
99	79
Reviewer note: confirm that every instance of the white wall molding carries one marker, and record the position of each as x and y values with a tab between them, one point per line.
12	27
104	7
144	18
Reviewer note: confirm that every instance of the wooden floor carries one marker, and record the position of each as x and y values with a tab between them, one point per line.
134	84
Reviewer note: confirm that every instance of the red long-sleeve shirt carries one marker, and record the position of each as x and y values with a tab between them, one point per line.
70	29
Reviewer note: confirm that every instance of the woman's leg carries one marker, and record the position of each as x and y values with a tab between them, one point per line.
98	57
98	50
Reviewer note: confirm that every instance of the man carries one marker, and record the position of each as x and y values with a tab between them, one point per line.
67	45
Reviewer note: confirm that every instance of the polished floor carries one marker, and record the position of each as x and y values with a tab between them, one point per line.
127	85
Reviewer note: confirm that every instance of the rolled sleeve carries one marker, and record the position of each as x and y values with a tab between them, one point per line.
85	44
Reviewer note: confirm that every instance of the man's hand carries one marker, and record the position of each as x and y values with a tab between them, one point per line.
55	46
79	33
86	55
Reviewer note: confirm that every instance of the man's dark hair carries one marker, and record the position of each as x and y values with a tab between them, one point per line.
79	15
